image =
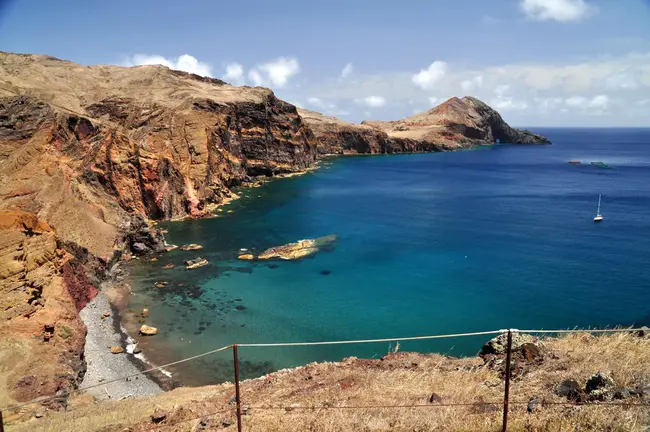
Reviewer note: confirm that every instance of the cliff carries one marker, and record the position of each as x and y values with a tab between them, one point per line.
86	146
456	123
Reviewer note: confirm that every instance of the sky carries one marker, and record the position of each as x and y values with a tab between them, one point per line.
538	62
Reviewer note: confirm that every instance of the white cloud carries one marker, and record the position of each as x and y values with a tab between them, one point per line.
347	71
234	73
372	101
276	73
501	90
556	10
472	84
326	107
185	63
507	104
255	77
596	105
433	101
427	78
622	80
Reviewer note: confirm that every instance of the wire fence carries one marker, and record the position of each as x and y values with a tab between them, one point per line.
238	404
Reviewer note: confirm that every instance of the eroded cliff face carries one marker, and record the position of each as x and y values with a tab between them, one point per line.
454	124
42	287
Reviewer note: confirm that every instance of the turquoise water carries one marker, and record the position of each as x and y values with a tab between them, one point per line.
428	244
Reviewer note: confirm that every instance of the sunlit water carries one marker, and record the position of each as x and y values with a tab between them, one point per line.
428	244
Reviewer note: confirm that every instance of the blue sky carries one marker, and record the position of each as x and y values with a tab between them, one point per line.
539	62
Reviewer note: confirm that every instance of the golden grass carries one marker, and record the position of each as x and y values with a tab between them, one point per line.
400	379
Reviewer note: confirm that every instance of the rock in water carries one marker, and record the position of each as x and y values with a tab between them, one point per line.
116	350
246	256
191	247
196	263
299	249
148	331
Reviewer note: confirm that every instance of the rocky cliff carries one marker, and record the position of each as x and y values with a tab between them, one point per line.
454	124
86	146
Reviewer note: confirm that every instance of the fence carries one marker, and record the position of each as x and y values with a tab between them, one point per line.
238	405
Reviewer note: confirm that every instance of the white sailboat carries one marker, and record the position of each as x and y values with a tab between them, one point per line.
598	217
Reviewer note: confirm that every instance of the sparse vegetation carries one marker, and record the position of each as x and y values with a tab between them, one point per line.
65	332
310	398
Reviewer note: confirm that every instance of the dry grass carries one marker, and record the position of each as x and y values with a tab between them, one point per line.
399	379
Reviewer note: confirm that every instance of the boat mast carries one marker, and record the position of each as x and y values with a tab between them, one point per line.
598	211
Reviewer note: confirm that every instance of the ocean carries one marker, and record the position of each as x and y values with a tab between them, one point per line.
498	237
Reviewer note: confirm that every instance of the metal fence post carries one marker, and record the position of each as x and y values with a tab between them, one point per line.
506	393
237	397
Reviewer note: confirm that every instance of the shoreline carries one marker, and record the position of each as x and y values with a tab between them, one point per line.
101	365
106	331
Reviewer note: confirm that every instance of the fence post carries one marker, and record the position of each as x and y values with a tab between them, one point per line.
237	397
506	393
2	427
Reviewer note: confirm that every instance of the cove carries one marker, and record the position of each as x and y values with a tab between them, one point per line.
502	237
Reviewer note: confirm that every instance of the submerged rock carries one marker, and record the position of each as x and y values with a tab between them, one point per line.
196	263
299	249
325	272
168	266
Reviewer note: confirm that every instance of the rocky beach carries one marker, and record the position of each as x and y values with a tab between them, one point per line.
103	336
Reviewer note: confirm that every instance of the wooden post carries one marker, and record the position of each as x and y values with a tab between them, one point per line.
2	427
506	394
237	396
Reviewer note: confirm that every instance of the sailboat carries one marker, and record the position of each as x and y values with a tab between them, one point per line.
598	217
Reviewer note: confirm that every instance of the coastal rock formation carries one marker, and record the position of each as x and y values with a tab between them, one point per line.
299	249
454	124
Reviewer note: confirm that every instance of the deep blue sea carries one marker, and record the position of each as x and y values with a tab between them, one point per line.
499	237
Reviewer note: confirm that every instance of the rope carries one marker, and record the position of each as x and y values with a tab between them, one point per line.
582	331
450	404
279	344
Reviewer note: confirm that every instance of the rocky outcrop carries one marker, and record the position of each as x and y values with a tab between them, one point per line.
455	124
